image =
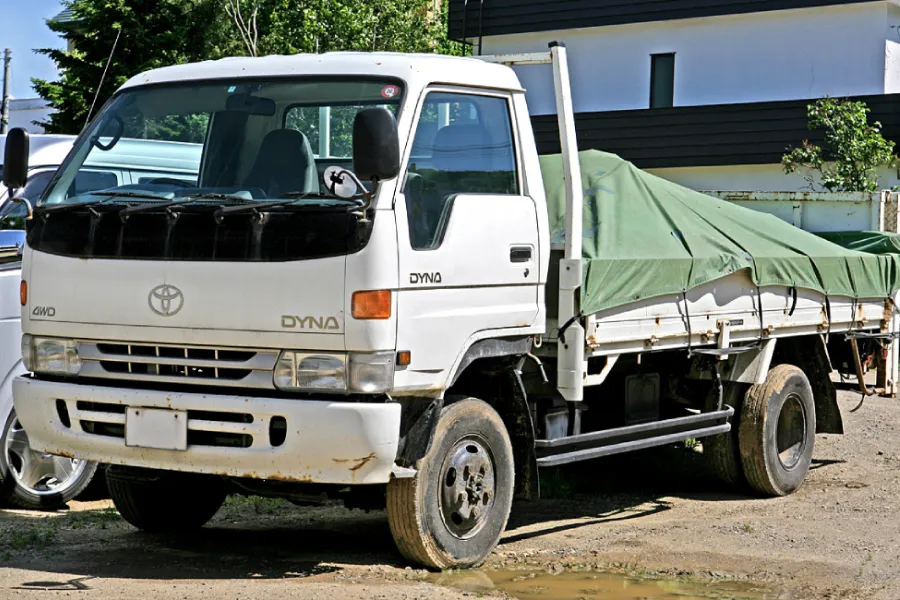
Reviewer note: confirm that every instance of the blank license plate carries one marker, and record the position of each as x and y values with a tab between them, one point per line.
155	428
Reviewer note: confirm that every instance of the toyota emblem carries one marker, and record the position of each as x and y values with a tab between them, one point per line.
166	300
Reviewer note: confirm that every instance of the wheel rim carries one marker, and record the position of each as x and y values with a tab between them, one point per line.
467	487
791	432
36	472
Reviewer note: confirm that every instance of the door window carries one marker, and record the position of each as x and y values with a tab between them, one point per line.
463	145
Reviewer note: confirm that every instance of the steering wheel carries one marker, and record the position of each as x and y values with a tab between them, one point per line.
171	181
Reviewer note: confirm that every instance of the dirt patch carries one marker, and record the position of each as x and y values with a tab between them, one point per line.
655	514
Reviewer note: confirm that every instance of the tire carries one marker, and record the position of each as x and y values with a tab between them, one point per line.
721	452
777	432
164	502
431	525
34	480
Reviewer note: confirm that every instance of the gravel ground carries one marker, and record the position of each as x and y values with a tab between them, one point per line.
655	513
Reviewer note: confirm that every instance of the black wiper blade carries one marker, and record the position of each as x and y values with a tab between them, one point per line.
44	209
250	206
301	195
152	206
218	196
129	194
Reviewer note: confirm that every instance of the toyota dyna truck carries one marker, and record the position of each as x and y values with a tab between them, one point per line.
377	291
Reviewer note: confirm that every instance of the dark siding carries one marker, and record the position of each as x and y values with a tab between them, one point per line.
518	16
693	136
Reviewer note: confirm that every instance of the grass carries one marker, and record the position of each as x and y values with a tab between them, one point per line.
748	528
259	504
94	519
31	537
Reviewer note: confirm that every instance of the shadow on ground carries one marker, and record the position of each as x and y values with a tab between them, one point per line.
266	539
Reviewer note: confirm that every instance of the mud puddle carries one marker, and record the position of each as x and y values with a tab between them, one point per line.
541	585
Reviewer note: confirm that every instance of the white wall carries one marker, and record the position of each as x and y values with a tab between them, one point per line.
767	56
745	178
23	112
892	51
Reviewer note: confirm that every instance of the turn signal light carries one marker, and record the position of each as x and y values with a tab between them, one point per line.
23	293
371	305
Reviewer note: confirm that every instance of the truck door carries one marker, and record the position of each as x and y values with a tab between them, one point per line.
468	236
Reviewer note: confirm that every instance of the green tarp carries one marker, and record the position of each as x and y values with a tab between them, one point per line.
873	242
646	237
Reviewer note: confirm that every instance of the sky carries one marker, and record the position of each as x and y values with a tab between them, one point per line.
22	29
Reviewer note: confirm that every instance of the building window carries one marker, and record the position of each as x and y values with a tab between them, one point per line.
662	80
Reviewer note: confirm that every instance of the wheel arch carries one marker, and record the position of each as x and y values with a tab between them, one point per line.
487	371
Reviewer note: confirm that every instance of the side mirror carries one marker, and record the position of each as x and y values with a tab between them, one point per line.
376	146
15	159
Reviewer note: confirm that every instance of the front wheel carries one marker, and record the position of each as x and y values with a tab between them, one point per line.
452	513
165	502
36	480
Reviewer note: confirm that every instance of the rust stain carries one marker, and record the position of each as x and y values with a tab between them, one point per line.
271	477
360	462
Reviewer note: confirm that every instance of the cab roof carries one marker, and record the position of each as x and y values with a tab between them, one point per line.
417	70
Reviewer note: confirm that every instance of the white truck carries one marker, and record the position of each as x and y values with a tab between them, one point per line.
368	294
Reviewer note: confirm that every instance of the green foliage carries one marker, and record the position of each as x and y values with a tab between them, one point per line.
158	33
291	26
853	150
155	33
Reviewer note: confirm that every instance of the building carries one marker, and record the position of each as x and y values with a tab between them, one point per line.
24	112
707	93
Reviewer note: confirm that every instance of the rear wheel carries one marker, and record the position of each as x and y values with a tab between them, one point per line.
777	431
721	452
452	513
158	501
36	480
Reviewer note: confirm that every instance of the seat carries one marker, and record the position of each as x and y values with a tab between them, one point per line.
285	163
461	155
460	148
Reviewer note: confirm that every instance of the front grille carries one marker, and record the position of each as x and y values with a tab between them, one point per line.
178	364
220	429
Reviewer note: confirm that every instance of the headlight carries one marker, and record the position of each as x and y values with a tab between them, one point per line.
318	372
53	356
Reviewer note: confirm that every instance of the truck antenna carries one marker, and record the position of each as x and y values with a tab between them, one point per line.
103	77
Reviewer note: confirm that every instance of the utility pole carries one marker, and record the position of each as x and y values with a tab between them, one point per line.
4	108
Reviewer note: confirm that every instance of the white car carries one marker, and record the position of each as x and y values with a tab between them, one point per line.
31	479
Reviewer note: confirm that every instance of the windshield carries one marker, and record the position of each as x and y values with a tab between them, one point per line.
213	171
242	140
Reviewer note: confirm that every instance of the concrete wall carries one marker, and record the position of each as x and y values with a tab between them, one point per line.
765	178
768	56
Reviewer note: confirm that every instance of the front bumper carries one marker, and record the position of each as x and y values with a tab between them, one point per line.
324	442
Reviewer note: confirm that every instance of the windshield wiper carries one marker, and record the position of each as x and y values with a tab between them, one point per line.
218	196
255	206
46	209
251	206
301	195
129	194
157	205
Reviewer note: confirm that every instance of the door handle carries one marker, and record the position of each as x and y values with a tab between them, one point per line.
520	254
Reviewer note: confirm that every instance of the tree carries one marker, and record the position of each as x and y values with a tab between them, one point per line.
154	33
853	150
293	26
